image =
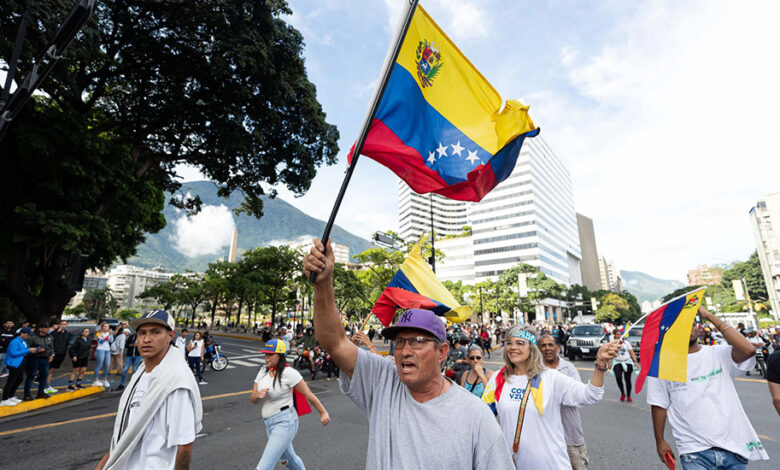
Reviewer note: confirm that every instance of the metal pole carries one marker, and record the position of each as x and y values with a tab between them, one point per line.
392	56
750	304
15	55
433	236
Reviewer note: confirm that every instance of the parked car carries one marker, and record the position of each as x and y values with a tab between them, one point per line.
635	336
585	341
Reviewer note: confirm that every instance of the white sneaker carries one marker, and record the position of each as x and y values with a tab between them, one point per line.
7	403
97	383
15	400
107	384
203	382
3	375
51	390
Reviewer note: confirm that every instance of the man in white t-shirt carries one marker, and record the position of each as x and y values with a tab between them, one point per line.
160	411
570	415
708	422
181	343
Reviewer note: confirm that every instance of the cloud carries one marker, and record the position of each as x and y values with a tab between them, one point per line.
209	232
301	239
669	131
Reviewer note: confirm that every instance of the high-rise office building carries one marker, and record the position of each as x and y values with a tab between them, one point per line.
610	276
591	278
529	218
414	214
765	218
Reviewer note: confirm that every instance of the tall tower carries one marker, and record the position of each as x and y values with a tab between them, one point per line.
764	218
233	245
414	214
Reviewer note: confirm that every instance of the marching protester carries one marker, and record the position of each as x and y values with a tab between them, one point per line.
476	379
118	349
15	359
195	356
132	358
534	433
104	339
41	354
6	335
623	367
275	385
61	341
79	354
727	442
160	411
181	343
773	378
570	415
410	405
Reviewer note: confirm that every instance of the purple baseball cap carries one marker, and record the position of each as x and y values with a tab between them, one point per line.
417	319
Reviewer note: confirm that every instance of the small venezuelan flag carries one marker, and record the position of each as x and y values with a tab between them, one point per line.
665	337
415	286
440	126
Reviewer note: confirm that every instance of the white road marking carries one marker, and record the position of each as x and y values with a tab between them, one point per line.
242	363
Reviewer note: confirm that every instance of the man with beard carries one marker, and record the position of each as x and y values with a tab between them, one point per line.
727	442
570	415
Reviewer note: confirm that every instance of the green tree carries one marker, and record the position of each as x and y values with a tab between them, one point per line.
99	303
216	84
612	309
350	293
276	268
127	314
165	294
216	287
750	271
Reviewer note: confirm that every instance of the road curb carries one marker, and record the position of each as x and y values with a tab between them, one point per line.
227	335
61	397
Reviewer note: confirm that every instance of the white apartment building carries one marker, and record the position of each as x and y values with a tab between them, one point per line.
414	214
458	262
609	274
765	219
340	252
529	218
128	282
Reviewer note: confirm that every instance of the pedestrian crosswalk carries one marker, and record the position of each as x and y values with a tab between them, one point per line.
254	360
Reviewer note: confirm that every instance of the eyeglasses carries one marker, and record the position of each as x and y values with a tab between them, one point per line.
415	342
475	358
518	344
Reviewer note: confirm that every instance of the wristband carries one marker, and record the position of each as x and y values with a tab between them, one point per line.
598	367
724	329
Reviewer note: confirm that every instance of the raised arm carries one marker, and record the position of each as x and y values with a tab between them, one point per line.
741	348
327	322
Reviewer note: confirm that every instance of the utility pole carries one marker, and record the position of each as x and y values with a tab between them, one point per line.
750	304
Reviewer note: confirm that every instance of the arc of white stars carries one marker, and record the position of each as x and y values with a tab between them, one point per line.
432	158
442	150
457	149
472	157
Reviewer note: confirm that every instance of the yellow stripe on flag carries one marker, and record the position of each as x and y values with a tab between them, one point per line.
673	359
460	93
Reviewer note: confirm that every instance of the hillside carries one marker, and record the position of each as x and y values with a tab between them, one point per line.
193	243
647	287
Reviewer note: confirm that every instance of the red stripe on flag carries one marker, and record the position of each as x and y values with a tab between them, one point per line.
650	334
387	304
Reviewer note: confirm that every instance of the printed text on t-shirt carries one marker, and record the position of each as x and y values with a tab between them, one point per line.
516	393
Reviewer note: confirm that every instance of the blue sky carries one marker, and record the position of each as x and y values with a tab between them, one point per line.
664	112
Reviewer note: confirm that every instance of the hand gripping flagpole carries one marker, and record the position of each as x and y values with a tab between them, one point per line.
392	56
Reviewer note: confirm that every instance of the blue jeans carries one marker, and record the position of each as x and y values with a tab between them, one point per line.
130	361
713	459
281	429
37	365
103	360
195	364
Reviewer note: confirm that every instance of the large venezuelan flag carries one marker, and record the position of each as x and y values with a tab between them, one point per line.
415	286
440	126
665	337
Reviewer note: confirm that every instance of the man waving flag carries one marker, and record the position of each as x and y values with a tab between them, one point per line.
439	125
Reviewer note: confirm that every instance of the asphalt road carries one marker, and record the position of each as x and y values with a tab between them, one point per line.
75	435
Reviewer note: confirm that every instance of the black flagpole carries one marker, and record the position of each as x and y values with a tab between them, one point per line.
392	56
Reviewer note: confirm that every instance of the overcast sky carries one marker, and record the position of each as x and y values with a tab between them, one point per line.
665	113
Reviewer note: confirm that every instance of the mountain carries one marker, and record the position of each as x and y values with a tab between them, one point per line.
192	243
647	287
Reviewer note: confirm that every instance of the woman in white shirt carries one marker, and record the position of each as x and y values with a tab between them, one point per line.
274	385
623	366
195	355
536	437
104	339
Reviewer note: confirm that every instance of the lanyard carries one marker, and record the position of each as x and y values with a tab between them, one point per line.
520	417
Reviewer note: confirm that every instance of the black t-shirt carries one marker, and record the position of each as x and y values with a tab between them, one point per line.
773	367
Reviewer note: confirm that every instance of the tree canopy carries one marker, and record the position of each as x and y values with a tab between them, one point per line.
219	85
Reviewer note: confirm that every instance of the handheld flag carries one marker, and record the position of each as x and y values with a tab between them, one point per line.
416	286
492	393
439	125
667	331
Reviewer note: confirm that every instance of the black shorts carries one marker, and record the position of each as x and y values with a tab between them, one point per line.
80	362
57	361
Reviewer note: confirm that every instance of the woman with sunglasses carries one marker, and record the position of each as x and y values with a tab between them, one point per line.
527	398
476	379
274	385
